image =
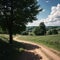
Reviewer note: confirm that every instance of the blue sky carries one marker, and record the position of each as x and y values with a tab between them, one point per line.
46	5
50	13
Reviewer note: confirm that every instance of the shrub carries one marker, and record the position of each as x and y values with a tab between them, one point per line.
24	33
36	31
41	29
49	32
52	31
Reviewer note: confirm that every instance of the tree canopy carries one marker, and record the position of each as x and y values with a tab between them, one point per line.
41	29
15	14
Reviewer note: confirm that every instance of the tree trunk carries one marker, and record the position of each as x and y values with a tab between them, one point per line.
10	38
11	24
10	34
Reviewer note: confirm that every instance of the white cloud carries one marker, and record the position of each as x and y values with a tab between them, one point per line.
43	10
35	23
52	20
55	14
47	1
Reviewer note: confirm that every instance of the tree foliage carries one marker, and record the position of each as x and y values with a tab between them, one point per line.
24	33
41	30
15	14
52	31
49	32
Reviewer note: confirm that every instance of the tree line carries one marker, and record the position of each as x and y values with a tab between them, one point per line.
42	29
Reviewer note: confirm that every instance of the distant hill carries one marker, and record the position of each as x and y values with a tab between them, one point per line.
30	28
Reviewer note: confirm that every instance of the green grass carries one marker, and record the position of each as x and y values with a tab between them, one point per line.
52	41
4	37
10	52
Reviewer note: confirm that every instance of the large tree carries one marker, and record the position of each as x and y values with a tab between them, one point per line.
41	29
15	14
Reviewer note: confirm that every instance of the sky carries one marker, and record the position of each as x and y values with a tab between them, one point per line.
50	14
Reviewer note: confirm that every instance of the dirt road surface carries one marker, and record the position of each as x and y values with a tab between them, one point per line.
35	51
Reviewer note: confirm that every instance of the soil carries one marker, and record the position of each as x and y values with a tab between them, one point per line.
35	51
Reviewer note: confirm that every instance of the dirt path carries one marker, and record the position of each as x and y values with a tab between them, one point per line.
39	52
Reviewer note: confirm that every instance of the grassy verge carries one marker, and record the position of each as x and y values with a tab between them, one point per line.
10	52
4	37
52	41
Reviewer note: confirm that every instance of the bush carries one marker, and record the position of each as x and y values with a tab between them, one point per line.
36	32
52	31
49	32
24	33
40	30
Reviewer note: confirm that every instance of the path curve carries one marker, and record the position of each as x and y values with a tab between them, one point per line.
42	51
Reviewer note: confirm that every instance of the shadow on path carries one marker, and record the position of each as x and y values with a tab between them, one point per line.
11	52
26	46
29	56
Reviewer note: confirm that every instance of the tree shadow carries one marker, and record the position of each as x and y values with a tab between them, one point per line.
26	46
29	56
7	51
11	52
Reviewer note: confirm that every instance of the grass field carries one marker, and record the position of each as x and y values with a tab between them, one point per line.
52	41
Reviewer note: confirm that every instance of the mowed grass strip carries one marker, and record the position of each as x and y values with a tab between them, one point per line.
52	41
